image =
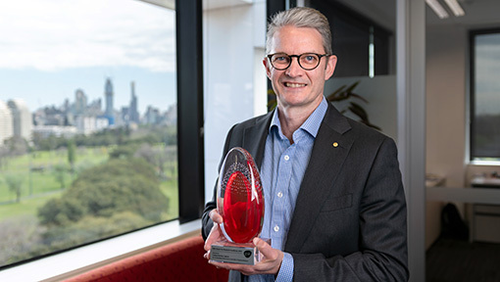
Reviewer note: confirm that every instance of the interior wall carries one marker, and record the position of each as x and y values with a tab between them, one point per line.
379	91
446	64
446	103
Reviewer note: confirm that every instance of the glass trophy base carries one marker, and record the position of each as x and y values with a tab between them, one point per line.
239	253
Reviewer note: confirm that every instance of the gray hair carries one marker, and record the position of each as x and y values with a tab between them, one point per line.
301	17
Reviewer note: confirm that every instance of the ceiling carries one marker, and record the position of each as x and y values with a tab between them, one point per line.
216	4
478	13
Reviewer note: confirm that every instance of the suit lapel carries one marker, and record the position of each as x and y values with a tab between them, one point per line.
325	163
254	138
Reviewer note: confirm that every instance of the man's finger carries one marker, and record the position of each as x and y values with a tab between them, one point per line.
213	236
267	251
215	216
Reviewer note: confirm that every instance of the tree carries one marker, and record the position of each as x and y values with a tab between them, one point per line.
61	211
146	152
71	154
123	152
15	182
91	228
4	153
120	185
20	236
59	171
17	146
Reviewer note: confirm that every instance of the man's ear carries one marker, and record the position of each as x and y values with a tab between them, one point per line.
330	66
267	65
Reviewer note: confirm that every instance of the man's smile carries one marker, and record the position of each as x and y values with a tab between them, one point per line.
294	85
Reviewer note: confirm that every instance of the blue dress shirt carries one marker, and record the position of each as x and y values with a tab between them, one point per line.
282	170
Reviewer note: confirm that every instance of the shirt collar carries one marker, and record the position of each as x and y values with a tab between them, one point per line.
311	124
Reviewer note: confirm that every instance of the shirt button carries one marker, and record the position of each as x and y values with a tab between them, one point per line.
280	194
276	228
287	157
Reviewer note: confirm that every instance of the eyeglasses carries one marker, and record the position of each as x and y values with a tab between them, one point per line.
307	61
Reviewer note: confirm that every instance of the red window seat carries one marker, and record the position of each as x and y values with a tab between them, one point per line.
179	261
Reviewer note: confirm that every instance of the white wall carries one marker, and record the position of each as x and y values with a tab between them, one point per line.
232	38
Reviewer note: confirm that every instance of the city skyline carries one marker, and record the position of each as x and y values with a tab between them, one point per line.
78	116
122	95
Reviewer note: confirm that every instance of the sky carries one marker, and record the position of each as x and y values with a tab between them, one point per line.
51	48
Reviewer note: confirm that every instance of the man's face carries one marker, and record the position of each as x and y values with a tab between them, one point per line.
294	86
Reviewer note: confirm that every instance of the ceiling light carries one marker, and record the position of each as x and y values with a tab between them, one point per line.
437	8
455	7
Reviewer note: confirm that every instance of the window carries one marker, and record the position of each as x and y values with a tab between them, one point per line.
88	123
485	95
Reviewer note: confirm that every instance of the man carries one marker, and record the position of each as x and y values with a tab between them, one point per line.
335	205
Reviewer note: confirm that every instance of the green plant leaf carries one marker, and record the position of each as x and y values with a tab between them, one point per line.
359	111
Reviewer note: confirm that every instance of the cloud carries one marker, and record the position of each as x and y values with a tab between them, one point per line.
51	35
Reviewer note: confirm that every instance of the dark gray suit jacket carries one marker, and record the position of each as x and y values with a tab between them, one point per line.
349	222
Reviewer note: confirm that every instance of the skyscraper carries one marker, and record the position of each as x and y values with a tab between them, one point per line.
6	130
80	102
133	113
108	95
22	121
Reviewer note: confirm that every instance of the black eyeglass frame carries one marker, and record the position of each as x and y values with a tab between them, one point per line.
298	60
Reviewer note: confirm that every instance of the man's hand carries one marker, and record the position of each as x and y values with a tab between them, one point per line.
269	265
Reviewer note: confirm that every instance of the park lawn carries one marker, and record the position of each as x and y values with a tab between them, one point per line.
170	190
44	180
40	186
28	206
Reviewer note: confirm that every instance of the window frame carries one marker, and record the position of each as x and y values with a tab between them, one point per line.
190	162
190	142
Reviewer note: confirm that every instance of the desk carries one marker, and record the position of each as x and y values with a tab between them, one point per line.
465	195
486	218
485	224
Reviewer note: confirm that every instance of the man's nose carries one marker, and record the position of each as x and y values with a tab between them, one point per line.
294	69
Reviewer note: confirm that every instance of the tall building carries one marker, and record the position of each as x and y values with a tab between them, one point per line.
22	121
80	102
95	107
6	130
133	112
152	115
108	95
88	124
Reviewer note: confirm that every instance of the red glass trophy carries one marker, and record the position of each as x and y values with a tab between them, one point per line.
240	202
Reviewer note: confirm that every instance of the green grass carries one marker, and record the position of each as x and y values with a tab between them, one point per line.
36	182
27	206
40	186
170	190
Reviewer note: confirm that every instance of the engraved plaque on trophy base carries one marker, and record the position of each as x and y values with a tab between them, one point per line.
247	253
235	253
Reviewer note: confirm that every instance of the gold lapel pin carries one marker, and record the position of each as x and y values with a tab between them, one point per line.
335	144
